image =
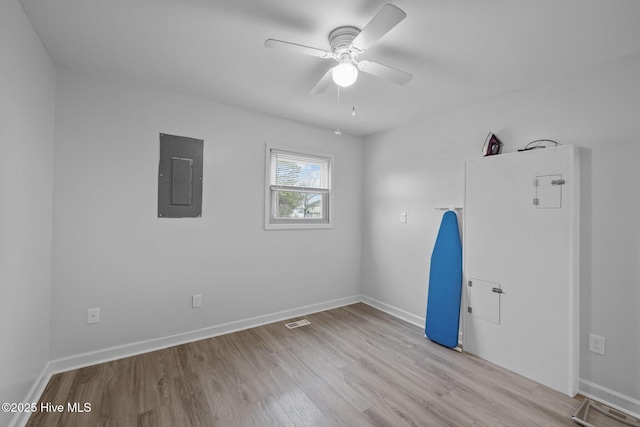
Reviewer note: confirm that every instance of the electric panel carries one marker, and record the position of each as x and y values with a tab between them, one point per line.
180	177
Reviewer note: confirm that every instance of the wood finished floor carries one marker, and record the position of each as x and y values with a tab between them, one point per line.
353	366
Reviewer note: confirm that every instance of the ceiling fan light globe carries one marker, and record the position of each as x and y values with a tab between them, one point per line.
344	74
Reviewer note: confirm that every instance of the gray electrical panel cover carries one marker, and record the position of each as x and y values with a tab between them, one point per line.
180	177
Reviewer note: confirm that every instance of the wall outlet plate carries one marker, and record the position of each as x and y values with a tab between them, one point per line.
196	301
93	315
596	344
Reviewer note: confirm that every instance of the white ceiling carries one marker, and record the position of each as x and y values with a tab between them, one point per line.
460	51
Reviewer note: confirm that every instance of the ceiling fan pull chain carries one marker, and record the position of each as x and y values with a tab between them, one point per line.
353	102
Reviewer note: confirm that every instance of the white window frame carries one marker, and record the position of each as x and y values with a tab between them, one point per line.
271	223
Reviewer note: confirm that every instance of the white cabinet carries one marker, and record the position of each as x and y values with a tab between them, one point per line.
521	246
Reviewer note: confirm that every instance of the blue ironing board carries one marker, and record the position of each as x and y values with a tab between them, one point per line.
445	284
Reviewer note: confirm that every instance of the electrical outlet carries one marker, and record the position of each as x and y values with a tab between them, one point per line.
93	315
403	217
196	301
596	344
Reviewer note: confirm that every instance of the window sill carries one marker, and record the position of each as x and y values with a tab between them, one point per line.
297	226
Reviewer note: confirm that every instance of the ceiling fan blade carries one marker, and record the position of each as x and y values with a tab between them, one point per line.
323	83
298	48
384	72
387	18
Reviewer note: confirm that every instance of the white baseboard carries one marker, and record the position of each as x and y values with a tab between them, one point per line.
610	397
394	311
33	395
140	347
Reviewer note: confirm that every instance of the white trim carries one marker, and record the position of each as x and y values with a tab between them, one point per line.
140	347
574	274
610	397
395	311
299	189
20	419
298	226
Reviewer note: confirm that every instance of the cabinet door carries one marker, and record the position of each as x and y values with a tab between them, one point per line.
521	256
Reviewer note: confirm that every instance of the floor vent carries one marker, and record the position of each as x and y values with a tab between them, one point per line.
297	324
595	414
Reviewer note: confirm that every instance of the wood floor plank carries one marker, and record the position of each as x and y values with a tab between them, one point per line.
345	390
115	406
352	366
407	401
238	374
151	381
338	411
268	413
251	348
301	409
277	380
510	400
163	416
296	368
192	400
477	403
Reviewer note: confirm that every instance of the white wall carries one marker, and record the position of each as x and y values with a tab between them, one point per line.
420	166
27	77
406	170
111	251
611	271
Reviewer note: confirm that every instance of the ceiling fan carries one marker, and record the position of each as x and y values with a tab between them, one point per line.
347	43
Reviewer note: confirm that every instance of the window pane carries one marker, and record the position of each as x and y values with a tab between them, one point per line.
293	204
296	170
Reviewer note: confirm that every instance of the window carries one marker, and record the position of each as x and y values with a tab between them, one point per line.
298	189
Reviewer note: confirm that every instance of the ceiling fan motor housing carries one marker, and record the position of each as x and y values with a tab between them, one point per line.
340	40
